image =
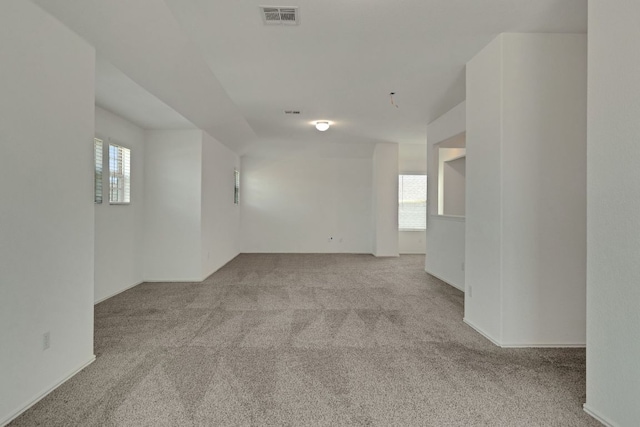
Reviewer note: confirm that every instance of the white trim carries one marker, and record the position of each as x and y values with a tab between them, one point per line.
481	332
523	345
458	287
196	280
118	292
457	157
595	414
45	393
544	345
458	218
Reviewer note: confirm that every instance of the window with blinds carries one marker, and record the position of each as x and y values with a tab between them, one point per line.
412	202
119	175
236	188
97	178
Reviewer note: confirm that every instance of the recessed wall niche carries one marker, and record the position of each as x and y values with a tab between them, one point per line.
451	176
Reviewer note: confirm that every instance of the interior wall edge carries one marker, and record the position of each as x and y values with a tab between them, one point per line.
482	332
601	418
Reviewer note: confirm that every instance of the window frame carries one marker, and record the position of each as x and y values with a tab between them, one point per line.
236	187
401	201
124	175
98	171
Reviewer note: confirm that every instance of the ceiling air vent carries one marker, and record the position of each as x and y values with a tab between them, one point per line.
292	112
280	15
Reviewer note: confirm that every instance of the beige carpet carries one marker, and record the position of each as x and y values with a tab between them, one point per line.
302	340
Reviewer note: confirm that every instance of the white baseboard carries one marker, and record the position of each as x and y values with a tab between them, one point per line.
595	414
43	394
458	287
481	332
523	345
118	292
543	345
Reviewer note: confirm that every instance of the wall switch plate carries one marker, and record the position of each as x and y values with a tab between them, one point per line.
470	289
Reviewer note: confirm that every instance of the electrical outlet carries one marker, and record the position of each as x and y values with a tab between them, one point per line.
470	289
46	340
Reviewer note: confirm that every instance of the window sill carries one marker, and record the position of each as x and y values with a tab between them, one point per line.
458	218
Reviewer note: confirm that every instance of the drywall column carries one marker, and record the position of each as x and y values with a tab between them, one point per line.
385	199
445	235
526	190
46	213
220	216
172	205
192	226
613	272
483	249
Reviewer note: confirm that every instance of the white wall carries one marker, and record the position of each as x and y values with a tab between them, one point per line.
296	202
220	216
46	213
385	199
119	228
454	187
544	188
526	190
412	160
445	236
613	273
172	205
484	177
445	250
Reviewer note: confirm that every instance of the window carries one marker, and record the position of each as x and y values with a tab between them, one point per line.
236	187
97	178
412	202
119	175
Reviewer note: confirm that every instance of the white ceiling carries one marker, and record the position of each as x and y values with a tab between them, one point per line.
118	93
221	68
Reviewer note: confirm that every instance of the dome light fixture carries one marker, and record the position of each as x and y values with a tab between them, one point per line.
322	126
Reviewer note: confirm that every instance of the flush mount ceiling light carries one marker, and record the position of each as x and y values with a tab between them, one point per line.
322	126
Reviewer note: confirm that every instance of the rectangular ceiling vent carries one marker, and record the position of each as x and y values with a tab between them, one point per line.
292	112
280	15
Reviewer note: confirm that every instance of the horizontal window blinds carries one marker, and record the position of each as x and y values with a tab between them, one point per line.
119	174
97	179
412	202
236	188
